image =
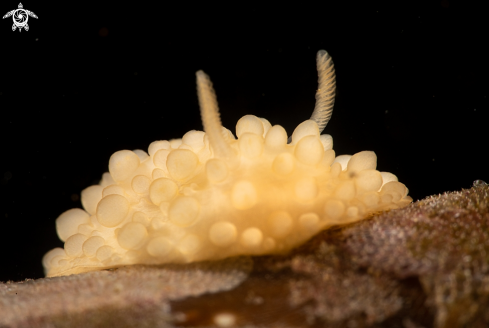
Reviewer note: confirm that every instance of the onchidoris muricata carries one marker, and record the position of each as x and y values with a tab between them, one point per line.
209	195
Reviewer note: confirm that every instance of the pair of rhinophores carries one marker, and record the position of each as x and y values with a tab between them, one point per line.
210	195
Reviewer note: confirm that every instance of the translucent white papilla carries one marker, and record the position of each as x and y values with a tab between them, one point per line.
209	195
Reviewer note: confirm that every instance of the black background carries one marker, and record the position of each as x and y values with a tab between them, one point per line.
89	79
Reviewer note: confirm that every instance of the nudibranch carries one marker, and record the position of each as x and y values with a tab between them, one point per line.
211	195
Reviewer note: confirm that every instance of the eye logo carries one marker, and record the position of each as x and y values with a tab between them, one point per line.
20	17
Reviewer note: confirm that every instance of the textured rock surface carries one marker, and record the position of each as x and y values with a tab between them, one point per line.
134	296
426	265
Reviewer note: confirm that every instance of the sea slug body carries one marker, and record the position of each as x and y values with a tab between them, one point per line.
209	195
